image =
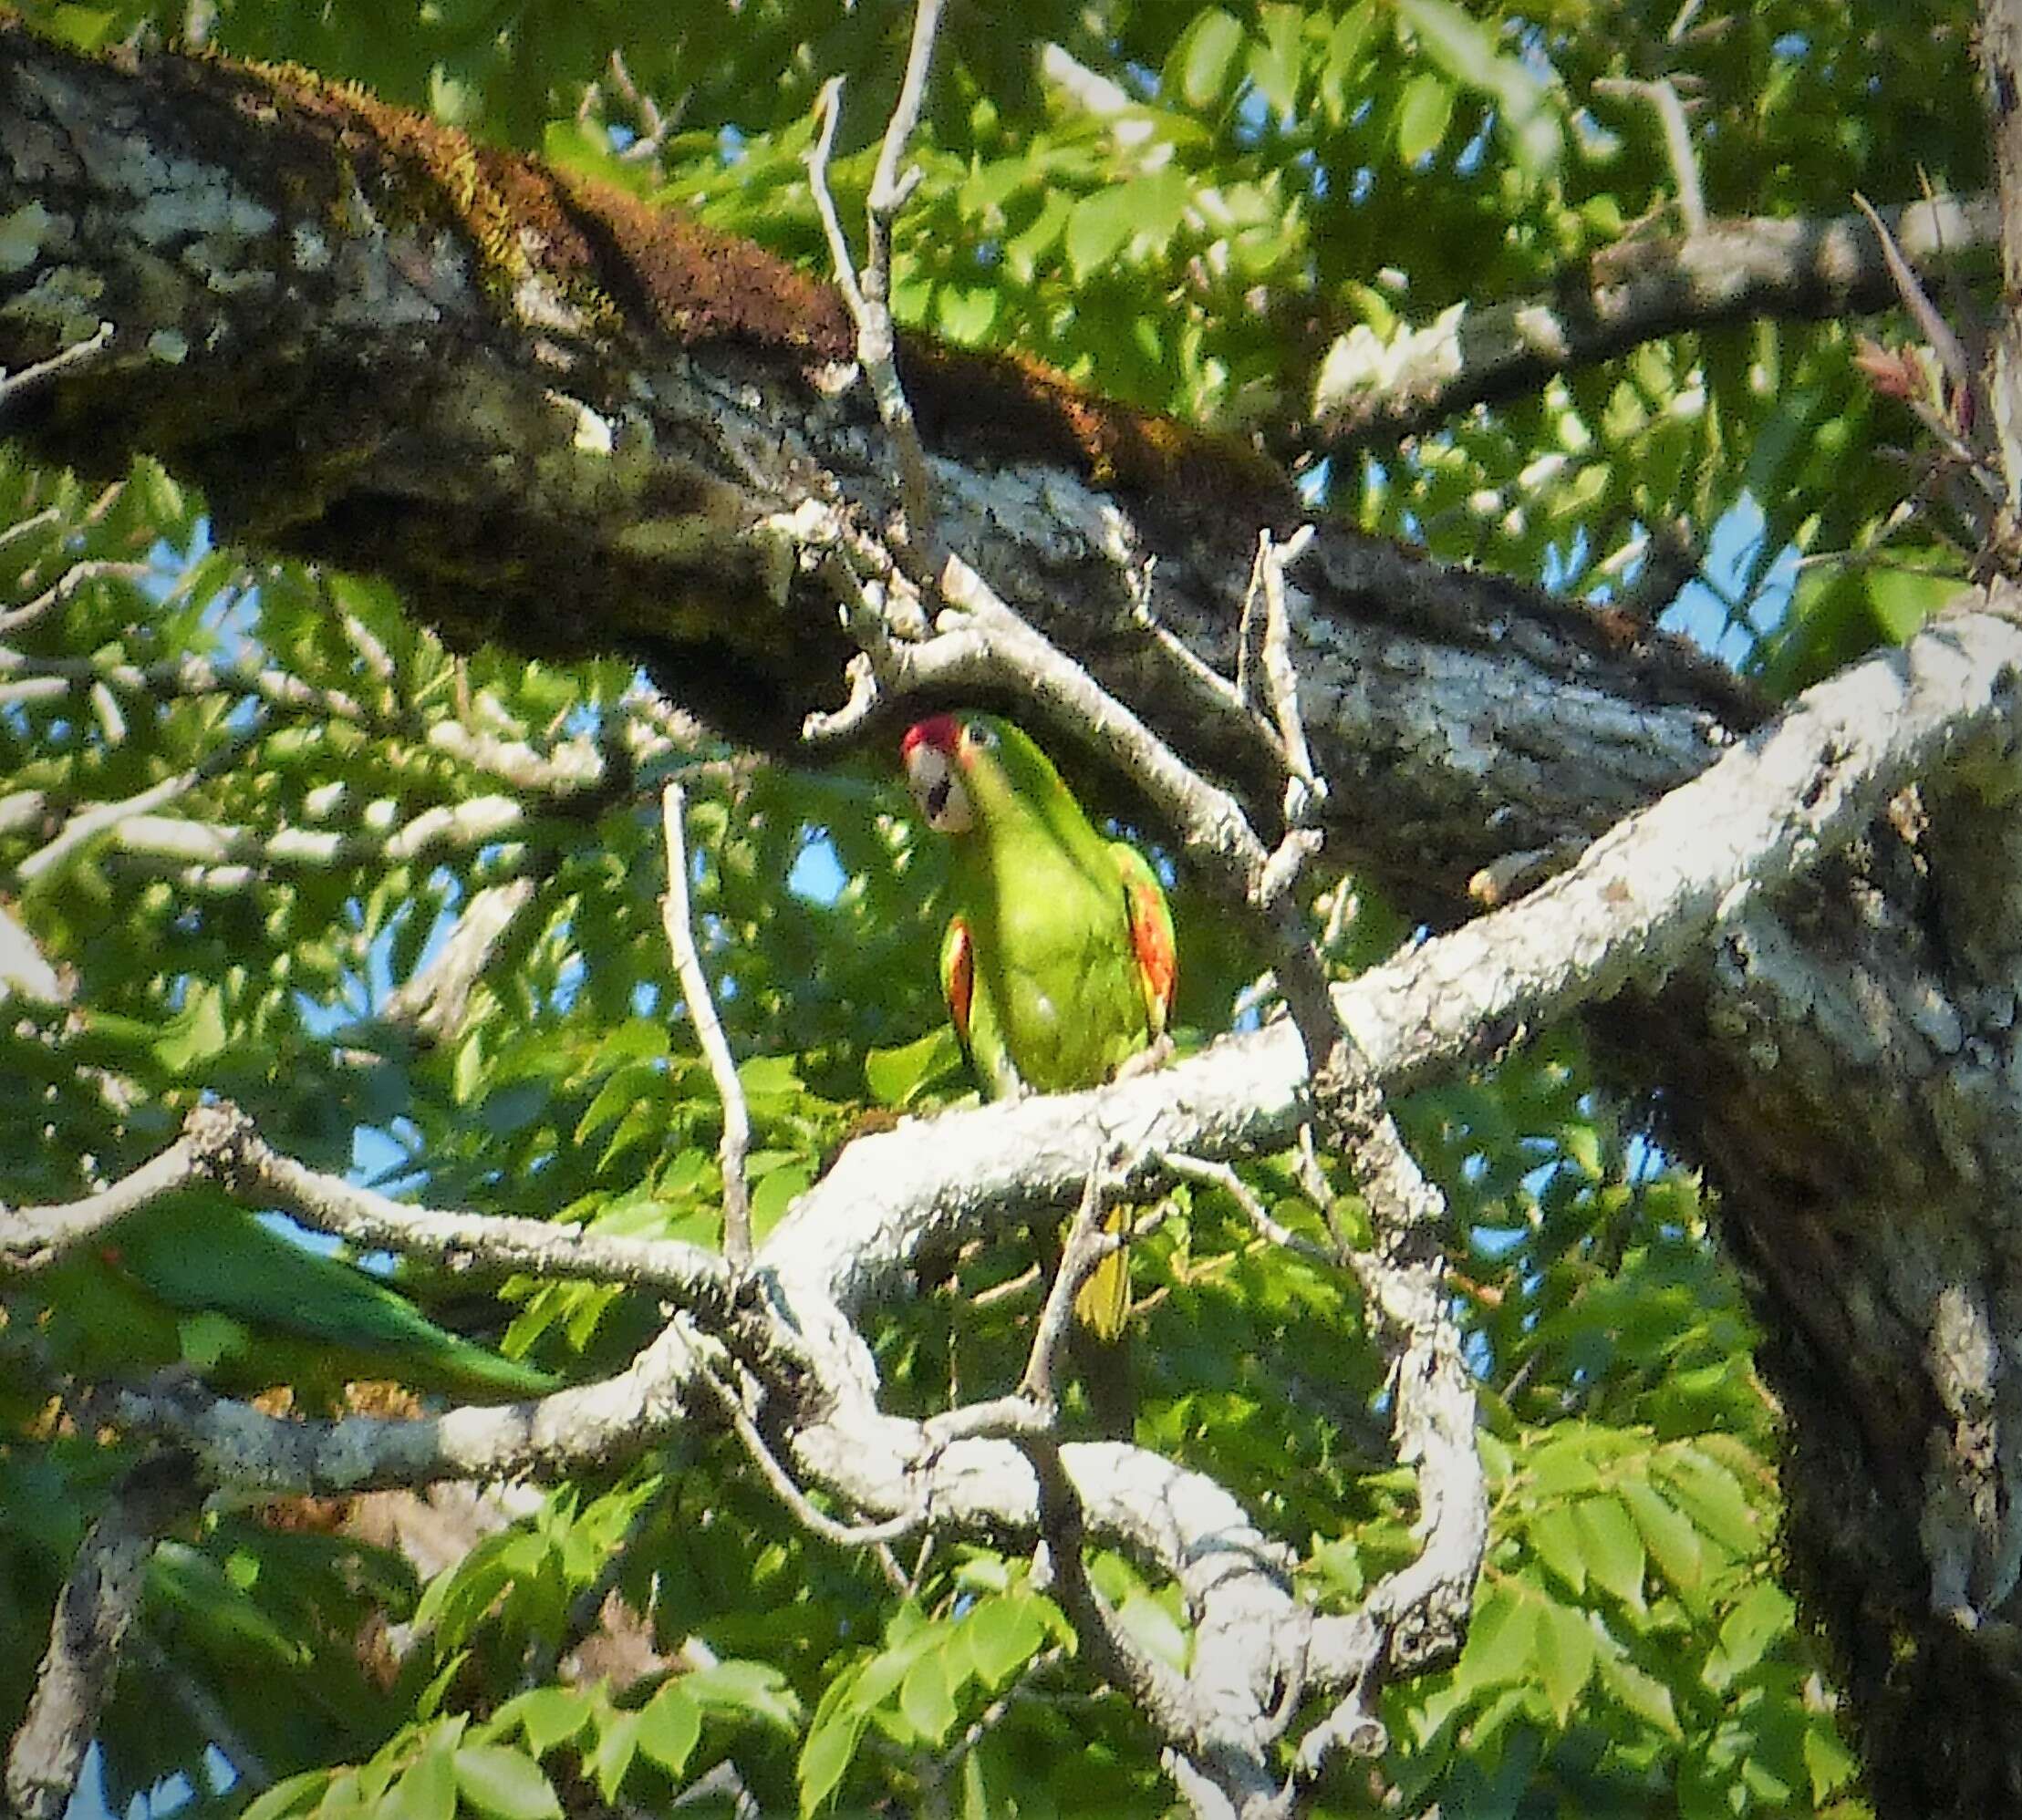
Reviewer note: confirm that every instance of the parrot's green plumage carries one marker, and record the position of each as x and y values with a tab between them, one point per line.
197	1279
1058	964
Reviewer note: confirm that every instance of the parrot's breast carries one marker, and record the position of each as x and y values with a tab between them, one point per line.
1062	969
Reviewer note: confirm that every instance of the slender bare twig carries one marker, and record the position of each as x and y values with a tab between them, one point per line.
1086	1245
436	1000
1280	677
220	1143
1663	97
709	1032
994	1715
816	1522
19	618
239	852
1959	366
29	526
99	1600
828	112
1221	1175
869	296
13	384
206	1709
1033	1407
85	824
34	1239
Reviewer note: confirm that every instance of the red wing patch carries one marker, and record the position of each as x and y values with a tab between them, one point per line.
1151	934
959	976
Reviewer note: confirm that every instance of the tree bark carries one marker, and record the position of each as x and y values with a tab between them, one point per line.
556	419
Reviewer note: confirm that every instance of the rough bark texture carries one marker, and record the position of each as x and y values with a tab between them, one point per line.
557	420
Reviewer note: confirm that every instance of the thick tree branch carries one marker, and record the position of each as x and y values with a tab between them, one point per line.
99	1600
221	1144
1634	907
2001	61
605	445
1370	390
1630	907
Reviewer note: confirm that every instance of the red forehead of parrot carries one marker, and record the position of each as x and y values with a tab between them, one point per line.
941	731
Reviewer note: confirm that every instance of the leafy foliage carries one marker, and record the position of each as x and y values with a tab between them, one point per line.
1183	205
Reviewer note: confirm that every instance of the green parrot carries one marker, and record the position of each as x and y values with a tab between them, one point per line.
197	1279
1058	964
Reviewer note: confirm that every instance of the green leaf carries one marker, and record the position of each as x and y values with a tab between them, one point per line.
896	1077
1827	1759
1204	59
548	1715
1638	1693
1423	111
197	1034
1712	1497
1004	1634
617	1744
467	1077
1341	67
1099	228
1274	64
1566	1650
774	1078
1026	248
206	1596
1557	1542
1465	49
1761	1617
632	1081
1502	1640
1145	1616
295	1794
670	1724
505	1782
925	1699
426	1790
1673	1544
1461	45
1902	599
1613	1550
754	1687
825	1758
776	1191
84	28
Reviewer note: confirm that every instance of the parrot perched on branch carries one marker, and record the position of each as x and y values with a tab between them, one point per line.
1058	963
197	1279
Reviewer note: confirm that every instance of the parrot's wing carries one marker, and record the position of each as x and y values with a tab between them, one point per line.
1151	934
974	1015
204	1260
958	979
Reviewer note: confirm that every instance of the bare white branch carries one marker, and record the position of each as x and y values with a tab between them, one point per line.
709	1032
76	355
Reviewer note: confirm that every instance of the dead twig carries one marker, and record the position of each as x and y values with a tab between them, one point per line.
709	1032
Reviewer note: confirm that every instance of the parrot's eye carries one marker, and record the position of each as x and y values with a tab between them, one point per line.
980	734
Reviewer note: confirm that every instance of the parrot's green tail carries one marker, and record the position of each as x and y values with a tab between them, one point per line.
1102	1304
475	1372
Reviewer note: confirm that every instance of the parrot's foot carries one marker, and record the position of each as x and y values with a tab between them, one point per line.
1156	1056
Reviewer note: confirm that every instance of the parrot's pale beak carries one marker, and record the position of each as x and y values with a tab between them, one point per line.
930	776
